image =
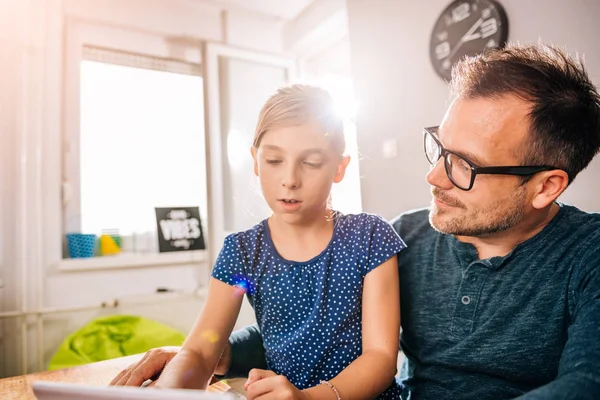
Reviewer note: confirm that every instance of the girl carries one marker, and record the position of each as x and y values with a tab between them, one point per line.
323	285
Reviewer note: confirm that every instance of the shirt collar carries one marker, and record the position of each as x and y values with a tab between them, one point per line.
468	253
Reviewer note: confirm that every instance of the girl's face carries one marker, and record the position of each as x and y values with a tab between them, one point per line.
296	166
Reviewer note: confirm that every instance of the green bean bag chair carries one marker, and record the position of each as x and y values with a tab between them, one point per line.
112	337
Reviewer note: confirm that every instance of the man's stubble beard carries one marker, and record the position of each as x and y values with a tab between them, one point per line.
496	217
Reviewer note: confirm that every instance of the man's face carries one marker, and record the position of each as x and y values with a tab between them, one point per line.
488	132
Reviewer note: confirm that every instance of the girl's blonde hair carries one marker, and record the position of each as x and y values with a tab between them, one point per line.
298	105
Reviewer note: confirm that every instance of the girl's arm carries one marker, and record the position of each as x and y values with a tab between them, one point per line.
372	372
193	366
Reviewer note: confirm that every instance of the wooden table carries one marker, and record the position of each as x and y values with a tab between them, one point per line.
100	374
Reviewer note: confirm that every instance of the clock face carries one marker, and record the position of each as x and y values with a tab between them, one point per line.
466	28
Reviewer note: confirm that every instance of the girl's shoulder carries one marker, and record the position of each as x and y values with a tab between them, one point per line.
360	221
367	227
248	238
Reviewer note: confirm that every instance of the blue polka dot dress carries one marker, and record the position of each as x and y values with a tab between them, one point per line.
309	312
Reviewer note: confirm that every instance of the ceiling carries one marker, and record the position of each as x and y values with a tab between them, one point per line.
284	9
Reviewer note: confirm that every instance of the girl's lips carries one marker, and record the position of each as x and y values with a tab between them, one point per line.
290	206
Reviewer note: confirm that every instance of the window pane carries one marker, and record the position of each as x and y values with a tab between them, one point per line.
141	146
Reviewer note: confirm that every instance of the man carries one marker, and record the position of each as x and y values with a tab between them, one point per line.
500	284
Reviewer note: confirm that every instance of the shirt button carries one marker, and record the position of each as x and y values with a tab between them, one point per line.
465	300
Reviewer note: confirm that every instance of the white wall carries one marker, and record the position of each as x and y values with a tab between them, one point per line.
253	31
318	26
332	60
32	37
400	93
23	65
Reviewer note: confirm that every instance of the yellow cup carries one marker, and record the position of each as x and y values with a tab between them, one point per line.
108	245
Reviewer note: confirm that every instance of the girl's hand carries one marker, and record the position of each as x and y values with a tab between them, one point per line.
267	385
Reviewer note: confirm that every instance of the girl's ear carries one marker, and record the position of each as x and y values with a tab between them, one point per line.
255	158
341	169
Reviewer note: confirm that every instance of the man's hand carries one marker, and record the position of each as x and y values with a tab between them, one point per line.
149	367
153	363
267	385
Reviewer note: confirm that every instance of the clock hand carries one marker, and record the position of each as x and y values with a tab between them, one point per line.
467	36
460	42
471	37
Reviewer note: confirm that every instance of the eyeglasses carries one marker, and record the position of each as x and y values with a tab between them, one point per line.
461	171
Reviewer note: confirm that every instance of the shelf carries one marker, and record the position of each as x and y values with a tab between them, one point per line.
128	261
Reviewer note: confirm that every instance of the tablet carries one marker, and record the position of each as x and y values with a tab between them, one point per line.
72	391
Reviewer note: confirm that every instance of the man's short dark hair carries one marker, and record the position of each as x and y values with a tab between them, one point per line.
565	113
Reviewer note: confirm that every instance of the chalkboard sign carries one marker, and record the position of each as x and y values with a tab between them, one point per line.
179	229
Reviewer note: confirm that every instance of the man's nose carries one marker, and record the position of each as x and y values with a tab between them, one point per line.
438	177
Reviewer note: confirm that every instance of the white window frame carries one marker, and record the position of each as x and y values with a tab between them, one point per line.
80	34
212	52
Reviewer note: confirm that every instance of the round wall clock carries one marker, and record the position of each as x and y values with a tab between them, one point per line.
466	28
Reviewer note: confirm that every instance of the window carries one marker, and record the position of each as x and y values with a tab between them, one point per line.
141	145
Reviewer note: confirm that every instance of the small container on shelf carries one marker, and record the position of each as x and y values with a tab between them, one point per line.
110	243
81	245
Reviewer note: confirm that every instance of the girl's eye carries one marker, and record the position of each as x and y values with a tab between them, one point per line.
313	165
273	161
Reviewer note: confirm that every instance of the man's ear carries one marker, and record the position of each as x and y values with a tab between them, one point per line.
548	186
255	158
341	169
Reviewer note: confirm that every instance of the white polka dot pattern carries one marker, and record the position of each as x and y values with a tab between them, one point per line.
309	312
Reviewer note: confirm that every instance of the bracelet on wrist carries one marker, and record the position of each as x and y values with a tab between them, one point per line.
327	383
